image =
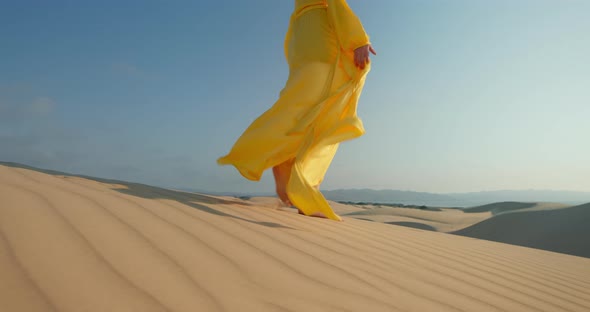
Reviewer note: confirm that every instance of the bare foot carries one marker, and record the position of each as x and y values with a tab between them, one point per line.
283	197
282	194
315	214
283	203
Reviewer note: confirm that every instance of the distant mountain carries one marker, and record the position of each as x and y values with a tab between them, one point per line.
406	197
563	230
456	199
565	197
389	196
437	200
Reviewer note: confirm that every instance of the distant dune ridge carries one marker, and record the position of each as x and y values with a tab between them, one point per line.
457	199
73	243
436	199
548	226
560	230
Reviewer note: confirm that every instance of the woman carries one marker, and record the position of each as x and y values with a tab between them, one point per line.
327	50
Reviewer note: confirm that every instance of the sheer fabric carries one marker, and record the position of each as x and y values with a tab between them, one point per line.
317	108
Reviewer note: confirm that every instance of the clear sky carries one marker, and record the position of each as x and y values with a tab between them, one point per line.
463	95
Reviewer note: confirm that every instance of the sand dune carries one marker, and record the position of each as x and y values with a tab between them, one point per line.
70	243
505	207
563	230
437	219
548	226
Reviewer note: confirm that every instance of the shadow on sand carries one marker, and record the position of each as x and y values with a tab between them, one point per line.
194	200
414	225
497	208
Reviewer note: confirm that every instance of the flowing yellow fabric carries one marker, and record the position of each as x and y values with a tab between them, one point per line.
317	108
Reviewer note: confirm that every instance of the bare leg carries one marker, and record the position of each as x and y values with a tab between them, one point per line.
282	173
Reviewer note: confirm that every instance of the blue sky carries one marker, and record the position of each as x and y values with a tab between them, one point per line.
463	95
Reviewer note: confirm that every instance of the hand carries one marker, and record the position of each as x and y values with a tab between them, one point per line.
361	55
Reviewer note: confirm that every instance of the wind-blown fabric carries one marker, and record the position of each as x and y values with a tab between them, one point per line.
317	108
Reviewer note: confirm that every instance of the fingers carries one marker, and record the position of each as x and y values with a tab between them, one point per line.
365	60
358	58
372	50
361	57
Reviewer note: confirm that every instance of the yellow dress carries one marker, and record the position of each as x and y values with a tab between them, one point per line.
317	108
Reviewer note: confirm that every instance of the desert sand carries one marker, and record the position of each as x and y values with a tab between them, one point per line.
72	243
549	226
559	229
